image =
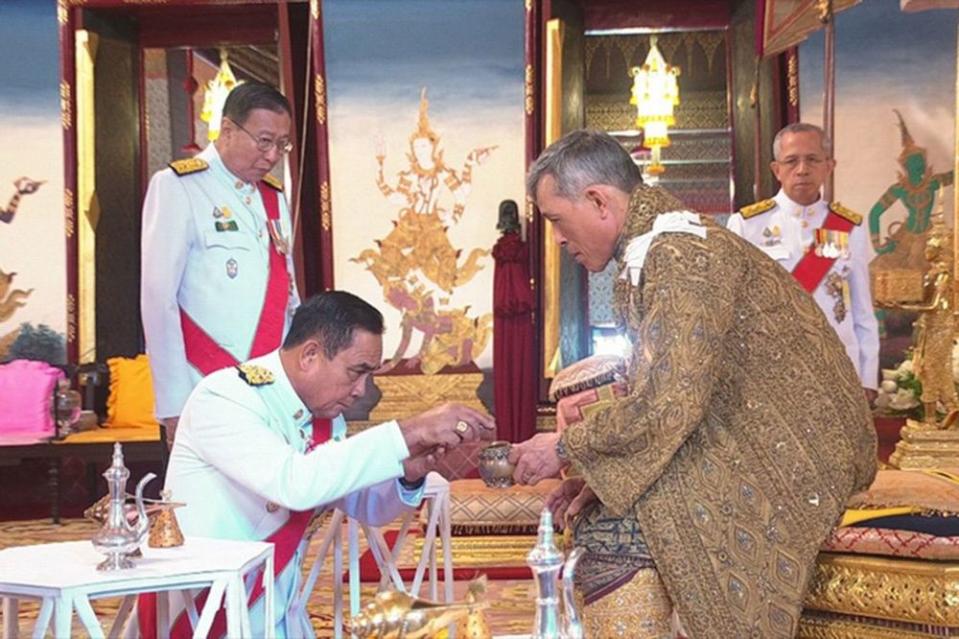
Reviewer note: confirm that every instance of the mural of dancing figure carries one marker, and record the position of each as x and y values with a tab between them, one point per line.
23	186
417	257
916	188
11	300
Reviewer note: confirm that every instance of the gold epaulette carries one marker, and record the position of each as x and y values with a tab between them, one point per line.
255	375
273	182
752	210
844	213
188	166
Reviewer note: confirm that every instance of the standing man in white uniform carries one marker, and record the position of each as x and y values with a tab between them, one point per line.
251	464
822	244
217	282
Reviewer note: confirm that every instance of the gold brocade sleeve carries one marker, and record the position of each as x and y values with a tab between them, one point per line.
678	318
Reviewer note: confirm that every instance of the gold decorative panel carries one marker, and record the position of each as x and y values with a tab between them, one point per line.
814	625
903	590
405	395
489	551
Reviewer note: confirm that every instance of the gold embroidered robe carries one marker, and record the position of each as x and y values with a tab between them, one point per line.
745	430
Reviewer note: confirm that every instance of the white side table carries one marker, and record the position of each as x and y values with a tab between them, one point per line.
65	578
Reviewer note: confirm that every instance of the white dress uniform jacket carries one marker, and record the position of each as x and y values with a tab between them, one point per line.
204	247
785	232
239	462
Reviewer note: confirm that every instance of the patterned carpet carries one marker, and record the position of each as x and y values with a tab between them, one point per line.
510	612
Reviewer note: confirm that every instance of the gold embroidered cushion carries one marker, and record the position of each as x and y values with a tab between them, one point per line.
476	509
587	386
926	491
857	540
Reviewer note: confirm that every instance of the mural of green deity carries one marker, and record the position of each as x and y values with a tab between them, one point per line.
916	188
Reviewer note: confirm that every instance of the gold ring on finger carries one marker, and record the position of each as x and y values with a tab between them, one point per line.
462	427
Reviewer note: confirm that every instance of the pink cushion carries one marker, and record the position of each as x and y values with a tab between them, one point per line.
26	398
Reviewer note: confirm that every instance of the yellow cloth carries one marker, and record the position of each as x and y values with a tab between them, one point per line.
130	404
855	516
109	435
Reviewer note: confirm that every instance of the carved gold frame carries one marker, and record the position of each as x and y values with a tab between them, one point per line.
88	211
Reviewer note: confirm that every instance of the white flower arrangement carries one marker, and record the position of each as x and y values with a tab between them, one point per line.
900	389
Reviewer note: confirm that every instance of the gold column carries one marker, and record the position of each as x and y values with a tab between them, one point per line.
89	209
554	129
955	195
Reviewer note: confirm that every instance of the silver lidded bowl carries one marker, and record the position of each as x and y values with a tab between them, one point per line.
494	465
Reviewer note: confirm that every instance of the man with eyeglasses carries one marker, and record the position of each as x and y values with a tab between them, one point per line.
217	283
823	244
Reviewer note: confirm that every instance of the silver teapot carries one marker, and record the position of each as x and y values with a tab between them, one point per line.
117	539
546	562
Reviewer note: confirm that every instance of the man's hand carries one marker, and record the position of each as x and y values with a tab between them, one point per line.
169	425
536	459
569	499
447	425
415	468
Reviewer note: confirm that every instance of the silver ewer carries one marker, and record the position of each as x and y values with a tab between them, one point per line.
546	561
118	538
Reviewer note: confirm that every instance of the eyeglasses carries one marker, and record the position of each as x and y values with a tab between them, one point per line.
265	145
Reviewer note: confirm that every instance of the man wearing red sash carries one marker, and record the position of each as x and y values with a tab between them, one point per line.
822	244
262	447
217	283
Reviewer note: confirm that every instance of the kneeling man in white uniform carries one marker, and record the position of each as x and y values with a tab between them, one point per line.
261	448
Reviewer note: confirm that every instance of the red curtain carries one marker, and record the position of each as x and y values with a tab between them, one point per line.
514	362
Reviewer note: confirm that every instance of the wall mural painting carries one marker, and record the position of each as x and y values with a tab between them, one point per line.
895	123
426	139
32	269
416	264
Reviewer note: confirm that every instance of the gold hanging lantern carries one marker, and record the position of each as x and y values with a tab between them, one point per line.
655	93
215	95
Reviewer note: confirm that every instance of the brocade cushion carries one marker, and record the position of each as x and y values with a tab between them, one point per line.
476	509
587	386
904	513
891	543
926	491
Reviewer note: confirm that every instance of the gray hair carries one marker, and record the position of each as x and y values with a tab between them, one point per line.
582	158
801	127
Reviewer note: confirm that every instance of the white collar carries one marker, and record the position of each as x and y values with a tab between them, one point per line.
671	222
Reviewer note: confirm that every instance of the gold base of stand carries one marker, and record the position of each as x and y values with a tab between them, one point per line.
923	447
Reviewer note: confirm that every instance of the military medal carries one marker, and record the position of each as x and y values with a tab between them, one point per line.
773	236
276	235
832	244
232	268
838	289
222	221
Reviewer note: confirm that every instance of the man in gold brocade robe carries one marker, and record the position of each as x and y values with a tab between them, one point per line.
744	431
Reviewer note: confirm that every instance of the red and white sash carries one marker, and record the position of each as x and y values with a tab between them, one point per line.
202	351
812	268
